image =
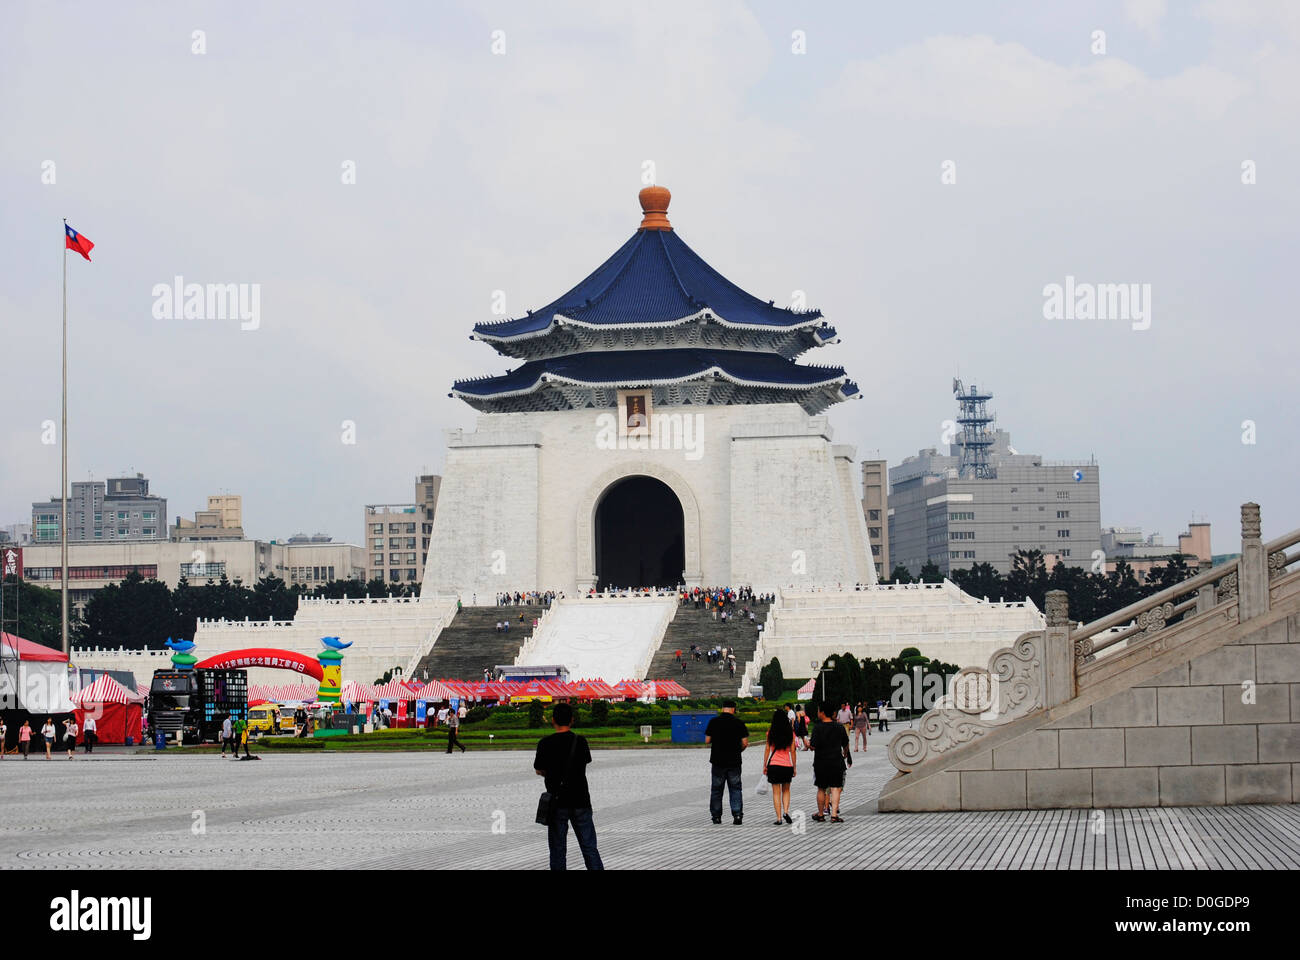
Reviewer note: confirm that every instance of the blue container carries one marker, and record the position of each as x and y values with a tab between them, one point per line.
160	740
688	725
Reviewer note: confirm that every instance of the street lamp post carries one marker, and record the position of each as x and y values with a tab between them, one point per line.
830	665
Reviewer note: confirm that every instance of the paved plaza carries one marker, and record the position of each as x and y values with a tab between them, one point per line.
404	810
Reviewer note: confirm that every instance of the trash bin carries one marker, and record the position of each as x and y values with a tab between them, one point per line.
688	725
159	740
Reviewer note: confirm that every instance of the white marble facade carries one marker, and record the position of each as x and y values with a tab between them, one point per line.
767	499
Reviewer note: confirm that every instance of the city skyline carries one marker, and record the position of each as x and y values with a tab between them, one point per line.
822	172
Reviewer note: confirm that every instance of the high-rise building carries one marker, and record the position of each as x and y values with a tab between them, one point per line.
875	507
120	508
397	534
983	501
223	520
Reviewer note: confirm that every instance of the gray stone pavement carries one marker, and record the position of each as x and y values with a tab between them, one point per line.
372	810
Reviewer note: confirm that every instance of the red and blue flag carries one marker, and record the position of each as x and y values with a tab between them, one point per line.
75	241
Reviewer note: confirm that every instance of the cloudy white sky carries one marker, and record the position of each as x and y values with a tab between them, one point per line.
479	171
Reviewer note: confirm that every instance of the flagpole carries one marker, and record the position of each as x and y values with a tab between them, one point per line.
63	435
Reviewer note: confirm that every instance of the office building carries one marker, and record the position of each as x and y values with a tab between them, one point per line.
120	508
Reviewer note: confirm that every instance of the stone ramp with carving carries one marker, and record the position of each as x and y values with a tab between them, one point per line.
1190	697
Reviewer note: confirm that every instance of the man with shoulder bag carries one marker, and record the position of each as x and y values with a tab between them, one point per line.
562	760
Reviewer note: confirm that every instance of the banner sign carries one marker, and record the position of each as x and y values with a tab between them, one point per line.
12	561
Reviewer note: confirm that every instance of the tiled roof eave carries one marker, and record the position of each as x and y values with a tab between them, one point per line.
715	370
813	321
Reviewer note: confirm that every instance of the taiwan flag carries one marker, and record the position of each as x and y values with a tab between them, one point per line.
75	241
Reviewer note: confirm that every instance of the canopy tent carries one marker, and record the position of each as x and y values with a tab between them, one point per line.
392	690
434	690
806	691
116	710
14	646
283	692
34	677
594	690
628	689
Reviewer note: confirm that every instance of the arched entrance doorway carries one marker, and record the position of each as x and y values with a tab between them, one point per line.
640	535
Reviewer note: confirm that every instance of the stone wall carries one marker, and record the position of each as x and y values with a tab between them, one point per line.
756	483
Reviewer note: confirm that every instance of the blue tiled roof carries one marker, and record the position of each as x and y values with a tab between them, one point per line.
635	368
654	278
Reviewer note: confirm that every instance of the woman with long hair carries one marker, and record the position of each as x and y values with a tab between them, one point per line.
779	764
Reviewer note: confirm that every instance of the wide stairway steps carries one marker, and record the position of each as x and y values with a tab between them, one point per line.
691	626
471	642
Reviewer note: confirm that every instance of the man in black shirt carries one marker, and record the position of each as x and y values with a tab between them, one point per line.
727	737
562	760
830	745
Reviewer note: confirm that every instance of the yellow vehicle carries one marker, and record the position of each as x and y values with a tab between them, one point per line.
261	720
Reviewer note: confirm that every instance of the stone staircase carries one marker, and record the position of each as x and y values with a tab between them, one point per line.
1185	698
470	642
698	626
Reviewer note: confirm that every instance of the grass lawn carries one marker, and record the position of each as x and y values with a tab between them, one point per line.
525	738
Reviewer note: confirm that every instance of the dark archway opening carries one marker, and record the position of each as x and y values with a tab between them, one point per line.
640	535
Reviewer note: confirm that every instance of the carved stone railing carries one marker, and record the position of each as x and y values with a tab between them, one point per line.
1046	669
1239	588
979	700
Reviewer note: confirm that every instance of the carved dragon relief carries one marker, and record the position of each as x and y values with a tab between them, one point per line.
979	701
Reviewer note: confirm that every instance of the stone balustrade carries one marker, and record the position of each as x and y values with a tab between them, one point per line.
1182	698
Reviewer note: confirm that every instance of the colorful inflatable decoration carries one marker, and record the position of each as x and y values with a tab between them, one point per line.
182	659
265	657
331	664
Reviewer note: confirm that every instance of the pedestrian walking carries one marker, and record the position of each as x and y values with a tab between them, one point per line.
882	716
47	736
779	764
845	718
830	751
70	735
727	738
801	727
561	761
453	726
241	736
90	733
861	728
4	732
228	737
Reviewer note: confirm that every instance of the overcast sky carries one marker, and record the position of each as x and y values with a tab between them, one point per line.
478	170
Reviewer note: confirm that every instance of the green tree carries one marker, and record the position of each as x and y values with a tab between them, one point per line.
536	713
273	600
1174	572
930	573
901	575
980	580
39	613
1122	588
1028	577
136	613
772	680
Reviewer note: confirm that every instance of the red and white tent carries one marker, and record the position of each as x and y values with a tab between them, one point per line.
35	677
807	690
435	690
116	709
105	690
283	692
